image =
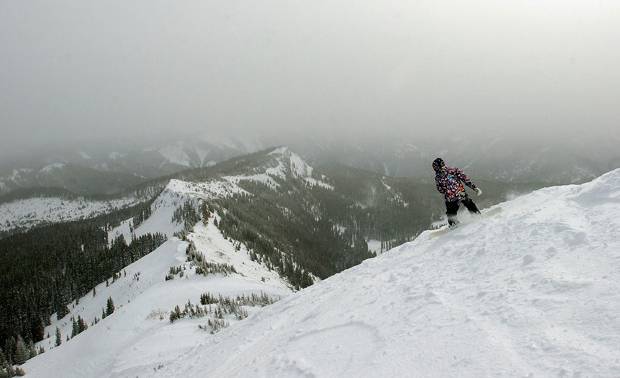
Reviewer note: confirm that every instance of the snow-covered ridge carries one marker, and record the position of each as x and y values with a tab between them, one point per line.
285	164
174	195
528	290
31	212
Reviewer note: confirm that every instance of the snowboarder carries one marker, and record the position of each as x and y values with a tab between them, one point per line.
450	183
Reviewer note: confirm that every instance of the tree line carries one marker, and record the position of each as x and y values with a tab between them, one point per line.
47	268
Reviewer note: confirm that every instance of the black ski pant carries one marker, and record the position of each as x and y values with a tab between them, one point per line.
452	208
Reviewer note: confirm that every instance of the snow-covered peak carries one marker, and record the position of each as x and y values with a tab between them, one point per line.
529	289
52	167
296	165
282	165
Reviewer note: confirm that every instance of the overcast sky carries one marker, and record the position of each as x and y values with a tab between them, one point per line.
79	69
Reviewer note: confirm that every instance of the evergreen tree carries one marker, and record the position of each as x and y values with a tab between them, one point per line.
109	307
21	352
82	326
3	361
58	337
32	351
9	349
74	328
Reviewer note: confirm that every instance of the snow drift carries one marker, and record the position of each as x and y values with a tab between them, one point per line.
531	291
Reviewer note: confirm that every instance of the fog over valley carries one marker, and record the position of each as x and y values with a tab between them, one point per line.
132	74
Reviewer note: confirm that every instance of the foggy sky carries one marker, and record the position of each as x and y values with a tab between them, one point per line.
75	70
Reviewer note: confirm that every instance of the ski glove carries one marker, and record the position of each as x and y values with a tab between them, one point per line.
479	192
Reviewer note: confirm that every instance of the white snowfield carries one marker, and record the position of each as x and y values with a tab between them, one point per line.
31	212
174	195
531	290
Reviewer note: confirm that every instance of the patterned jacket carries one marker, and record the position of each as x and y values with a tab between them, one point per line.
450	183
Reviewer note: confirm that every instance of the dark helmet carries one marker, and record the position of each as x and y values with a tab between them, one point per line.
438	164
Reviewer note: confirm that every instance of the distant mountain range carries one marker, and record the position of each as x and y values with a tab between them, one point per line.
111	170
96	171
494	158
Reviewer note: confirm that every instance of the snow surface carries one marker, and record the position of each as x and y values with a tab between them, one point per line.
31	212
374	246
138	338
529	291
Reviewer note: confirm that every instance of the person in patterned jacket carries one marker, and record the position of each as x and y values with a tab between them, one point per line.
450	183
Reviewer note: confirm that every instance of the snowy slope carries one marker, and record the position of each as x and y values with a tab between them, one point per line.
31	212
138	337
530	291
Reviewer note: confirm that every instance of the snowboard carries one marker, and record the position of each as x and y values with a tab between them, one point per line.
445	228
